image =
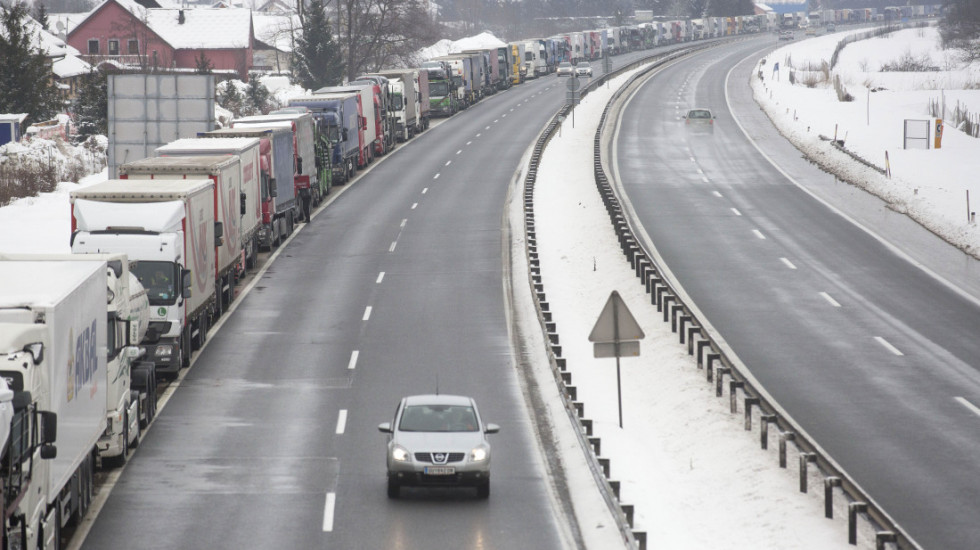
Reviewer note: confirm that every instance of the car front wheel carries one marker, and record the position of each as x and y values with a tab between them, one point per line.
483	491
394	489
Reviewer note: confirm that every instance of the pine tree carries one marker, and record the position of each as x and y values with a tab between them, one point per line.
41	15
257	95
26	84
317	60
230	98
91	106
203	64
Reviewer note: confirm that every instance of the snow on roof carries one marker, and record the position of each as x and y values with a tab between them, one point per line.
206	144
202	27
481	41
278	31
70	66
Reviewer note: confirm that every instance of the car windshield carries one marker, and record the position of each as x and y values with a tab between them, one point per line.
158	278
699	114
565	64
438	418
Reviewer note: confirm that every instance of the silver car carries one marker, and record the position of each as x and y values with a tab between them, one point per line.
700	120
438	440
565	69
583	69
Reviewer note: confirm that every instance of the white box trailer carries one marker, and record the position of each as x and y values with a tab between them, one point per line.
230	207
168	229
250	193
53	345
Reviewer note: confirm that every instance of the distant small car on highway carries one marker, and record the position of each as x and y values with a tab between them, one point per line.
786	35
438	440
700	120
583	69
565	68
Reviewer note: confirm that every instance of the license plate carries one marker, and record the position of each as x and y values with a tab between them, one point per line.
440	470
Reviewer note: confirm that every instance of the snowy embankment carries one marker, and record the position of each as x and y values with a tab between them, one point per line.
935	187
695	477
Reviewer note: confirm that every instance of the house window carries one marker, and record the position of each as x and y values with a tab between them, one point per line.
134	47
113	47
93	46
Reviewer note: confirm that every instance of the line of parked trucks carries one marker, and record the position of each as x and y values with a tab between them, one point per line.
156	256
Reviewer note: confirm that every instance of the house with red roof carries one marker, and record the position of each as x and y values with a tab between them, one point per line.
145	36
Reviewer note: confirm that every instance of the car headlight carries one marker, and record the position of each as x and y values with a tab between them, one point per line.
479	454
163	351
399	453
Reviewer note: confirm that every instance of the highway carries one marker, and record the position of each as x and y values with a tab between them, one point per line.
851	331
395	288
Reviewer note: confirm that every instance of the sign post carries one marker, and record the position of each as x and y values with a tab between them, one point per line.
616	334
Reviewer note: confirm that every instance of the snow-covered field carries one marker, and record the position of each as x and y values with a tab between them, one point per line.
697	480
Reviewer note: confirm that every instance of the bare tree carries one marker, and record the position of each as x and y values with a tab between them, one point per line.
379	33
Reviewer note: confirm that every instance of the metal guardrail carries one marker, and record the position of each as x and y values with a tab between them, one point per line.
712	356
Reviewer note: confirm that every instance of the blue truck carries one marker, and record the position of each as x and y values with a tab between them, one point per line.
339	115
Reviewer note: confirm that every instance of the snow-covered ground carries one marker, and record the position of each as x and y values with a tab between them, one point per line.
697	480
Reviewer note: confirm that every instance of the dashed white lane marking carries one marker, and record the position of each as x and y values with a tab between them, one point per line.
704	179
367	313
404	221
342	421
758	233
328	508
487	128
458	152
415	205
830	300
393	245
469	142
425	190
717	194
787	263
973	408
435	177
352	364
736	212
381	277
888	346
448	162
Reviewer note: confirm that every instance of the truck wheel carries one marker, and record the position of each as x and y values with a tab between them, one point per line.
119	461
483	491
306	210
141	383
219	298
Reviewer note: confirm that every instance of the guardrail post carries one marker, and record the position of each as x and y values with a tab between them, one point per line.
783	438
628	512
614	485
722	371
701	345
586	425
712	357
658	293
675	310
852	524
667	299
596	446
733	387
805	458
691	331
884	537
828	495
579	408
765	420
604	464
641	539
749	402
682	320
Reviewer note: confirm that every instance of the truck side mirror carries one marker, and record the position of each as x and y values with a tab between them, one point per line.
344	134
185	283
244	199
273	189
299	165
219	232
49	427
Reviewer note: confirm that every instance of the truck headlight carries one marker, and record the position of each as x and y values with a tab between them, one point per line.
163	351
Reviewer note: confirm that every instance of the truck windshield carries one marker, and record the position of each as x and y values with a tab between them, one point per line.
333	134
396	102
438	89
159	279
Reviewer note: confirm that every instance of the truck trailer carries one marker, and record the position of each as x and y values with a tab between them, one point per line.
339	115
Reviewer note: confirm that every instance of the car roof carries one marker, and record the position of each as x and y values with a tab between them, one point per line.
438	399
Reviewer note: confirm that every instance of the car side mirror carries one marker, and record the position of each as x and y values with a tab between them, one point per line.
344	134
385	427
491	429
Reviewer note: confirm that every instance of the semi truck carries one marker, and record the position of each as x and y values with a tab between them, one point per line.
515	56
386	118
504	66
369	112
279	205
230	205
53	338
312	177
131	383
461	76
443	99
168	230
489	78
408	101
339	115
